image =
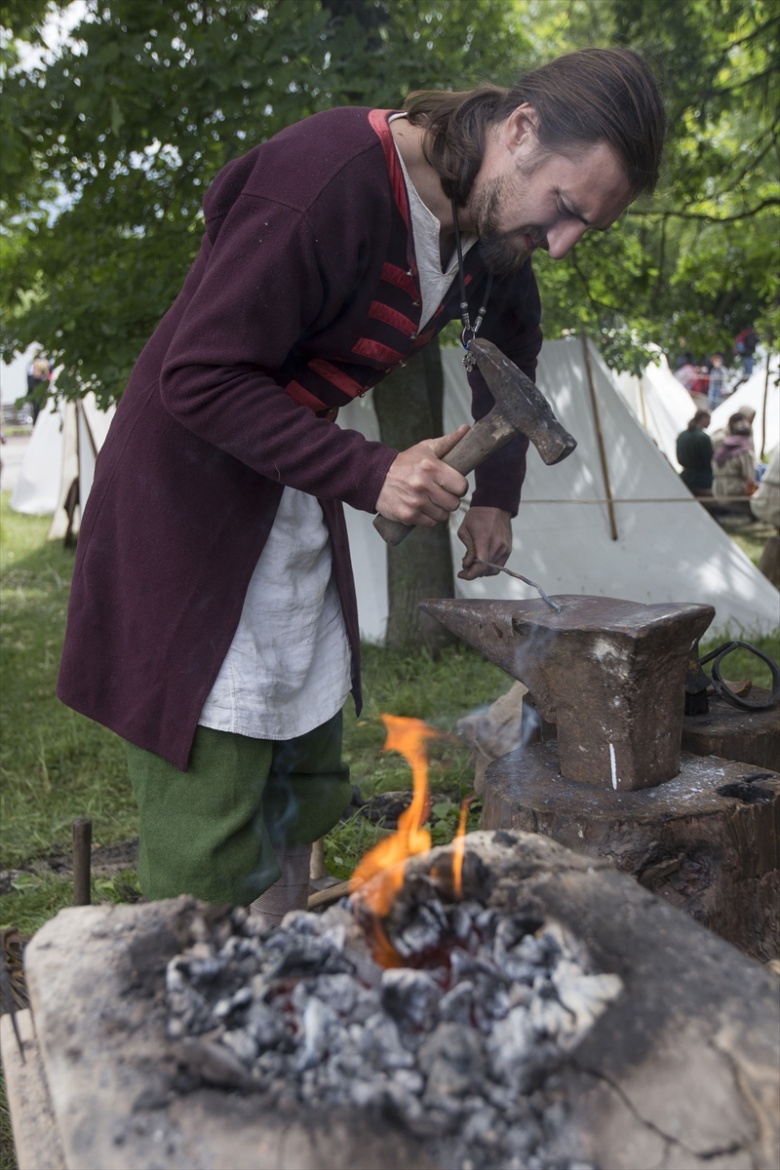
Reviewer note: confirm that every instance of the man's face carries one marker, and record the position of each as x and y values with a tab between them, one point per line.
524	199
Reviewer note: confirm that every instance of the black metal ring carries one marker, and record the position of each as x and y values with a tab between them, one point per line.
736	700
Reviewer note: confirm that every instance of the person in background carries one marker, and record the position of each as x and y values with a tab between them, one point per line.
744	412
716	387
694	379
733	467
694	454
745	344
38	378
765	506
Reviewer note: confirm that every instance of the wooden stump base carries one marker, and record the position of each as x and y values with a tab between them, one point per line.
707	841
753	737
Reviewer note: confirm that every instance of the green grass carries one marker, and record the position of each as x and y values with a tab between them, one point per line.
55	765
7	1153
751	537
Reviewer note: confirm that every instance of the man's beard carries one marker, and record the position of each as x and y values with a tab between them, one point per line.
502	252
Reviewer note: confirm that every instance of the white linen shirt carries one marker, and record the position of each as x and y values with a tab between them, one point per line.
287	670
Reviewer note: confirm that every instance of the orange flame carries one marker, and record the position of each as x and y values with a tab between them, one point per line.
387	860
458	847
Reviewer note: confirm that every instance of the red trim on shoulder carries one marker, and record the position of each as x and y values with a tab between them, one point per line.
377	120
380	353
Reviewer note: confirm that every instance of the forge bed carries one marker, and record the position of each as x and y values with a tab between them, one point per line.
681	1071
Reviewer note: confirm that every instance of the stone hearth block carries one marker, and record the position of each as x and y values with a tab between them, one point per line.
683	1071
609	673
96	976
680	1071
707	841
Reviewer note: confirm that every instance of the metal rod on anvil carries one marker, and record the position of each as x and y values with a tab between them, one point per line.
82	846
526	580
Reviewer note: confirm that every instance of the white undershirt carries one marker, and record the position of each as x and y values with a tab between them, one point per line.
426	231
287	669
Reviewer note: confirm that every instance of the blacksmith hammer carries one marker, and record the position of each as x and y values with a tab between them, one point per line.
520	408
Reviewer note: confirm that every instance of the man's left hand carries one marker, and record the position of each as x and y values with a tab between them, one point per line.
487	535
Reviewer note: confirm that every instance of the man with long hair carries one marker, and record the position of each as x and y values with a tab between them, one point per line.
213	620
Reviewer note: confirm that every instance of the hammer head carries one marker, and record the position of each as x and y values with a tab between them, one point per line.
521	403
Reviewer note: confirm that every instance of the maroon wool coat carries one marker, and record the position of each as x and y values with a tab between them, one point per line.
303	294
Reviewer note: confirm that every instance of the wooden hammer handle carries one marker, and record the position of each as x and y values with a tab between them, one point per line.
486	436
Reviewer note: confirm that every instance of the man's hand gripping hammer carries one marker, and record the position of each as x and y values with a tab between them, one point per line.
520	409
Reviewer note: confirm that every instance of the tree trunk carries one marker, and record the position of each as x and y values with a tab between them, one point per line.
408	405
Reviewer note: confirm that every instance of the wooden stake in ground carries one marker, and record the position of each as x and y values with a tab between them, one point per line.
82	849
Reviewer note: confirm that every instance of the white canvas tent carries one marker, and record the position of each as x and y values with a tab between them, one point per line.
652	543
761	391
13	375
61	453
660	403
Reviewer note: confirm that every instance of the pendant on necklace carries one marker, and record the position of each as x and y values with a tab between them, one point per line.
469	361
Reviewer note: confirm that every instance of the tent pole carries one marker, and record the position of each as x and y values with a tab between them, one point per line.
642	404
763	409
600	439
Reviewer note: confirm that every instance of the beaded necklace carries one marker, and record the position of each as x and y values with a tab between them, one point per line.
468	333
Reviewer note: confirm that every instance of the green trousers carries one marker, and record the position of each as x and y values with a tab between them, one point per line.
211	831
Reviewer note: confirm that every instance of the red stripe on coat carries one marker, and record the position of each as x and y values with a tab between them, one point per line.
337	377
377	120
302	396
381	312
380	353
402	279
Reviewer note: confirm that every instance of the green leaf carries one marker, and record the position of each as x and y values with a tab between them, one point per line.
444	809
117	117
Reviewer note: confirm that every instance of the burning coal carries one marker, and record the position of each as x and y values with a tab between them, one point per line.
434	1010
459	1046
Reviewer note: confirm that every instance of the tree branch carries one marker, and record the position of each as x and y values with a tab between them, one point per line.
751	36
754	77
712	218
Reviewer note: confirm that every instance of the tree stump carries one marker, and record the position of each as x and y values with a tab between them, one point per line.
753	737
706	841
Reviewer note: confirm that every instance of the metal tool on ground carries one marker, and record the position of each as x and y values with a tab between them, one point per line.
727	692
526	580
520	409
